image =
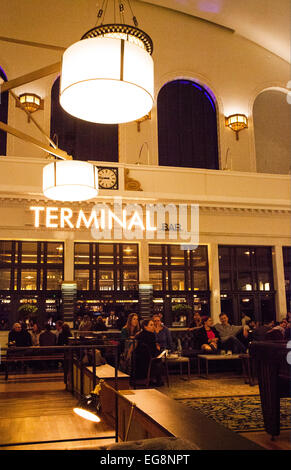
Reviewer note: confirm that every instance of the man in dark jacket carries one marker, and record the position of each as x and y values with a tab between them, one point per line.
47	337
19	337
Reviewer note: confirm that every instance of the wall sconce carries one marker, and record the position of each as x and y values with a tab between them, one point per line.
30	102
142	119
236	122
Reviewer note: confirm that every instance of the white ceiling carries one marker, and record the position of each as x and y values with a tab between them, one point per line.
265	22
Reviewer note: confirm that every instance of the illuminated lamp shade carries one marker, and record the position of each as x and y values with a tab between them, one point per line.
87	408
108	76
70	180
31	102
236	122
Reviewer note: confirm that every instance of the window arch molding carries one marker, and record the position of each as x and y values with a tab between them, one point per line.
3	114
190	146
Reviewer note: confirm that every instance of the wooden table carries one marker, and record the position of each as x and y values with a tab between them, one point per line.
214	357
179	360
83	377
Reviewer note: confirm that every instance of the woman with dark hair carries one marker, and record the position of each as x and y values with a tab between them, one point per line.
65	333
147	349
208	337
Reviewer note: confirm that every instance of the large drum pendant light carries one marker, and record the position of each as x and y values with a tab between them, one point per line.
108	76
70	180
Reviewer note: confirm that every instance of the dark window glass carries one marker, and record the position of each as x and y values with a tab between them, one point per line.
199	257
81	139
5	277
244	258
3	113
29	252
82	255
55	253
106	268
54	278
156	279
82	279
187	126
5	251
176	255
28	279
155	254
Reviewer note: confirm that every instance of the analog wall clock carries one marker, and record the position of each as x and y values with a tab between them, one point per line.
108	178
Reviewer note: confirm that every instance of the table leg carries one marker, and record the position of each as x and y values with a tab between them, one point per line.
199	367
206	360
188	364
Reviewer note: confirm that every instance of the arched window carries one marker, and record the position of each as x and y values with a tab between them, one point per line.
187	126
3	113
272	124
81	139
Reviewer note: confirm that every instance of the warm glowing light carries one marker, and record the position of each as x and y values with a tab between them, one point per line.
31	102
87	415
107	79
236	122
70	180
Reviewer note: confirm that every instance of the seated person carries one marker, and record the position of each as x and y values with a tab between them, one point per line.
35	334
19	337
47	337
147	349
86	324
228	335
64	334
259	333
278	331
196	322
163	334
207	337
99	324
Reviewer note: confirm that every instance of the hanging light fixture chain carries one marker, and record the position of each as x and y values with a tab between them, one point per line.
101	12
121	12
135	22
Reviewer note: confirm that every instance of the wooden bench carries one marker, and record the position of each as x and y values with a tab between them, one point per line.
14	358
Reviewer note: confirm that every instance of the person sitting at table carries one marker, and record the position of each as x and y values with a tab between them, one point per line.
47	337
18	336
207	337
146	349
99	324
63	337
228	335
196	322
86	324
131	328
35	334
163	334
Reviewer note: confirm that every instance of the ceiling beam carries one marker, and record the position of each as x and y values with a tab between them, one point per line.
27	138
30	77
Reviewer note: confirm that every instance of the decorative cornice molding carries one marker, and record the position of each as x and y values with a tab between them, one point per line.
11	202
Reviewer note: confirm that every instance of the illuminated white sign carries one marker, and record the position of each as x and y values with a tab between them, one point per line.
125	221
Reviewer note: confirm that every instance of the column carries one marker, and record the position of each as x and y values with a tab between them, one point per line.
69	260
279	282
69	288
145	288
214	282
